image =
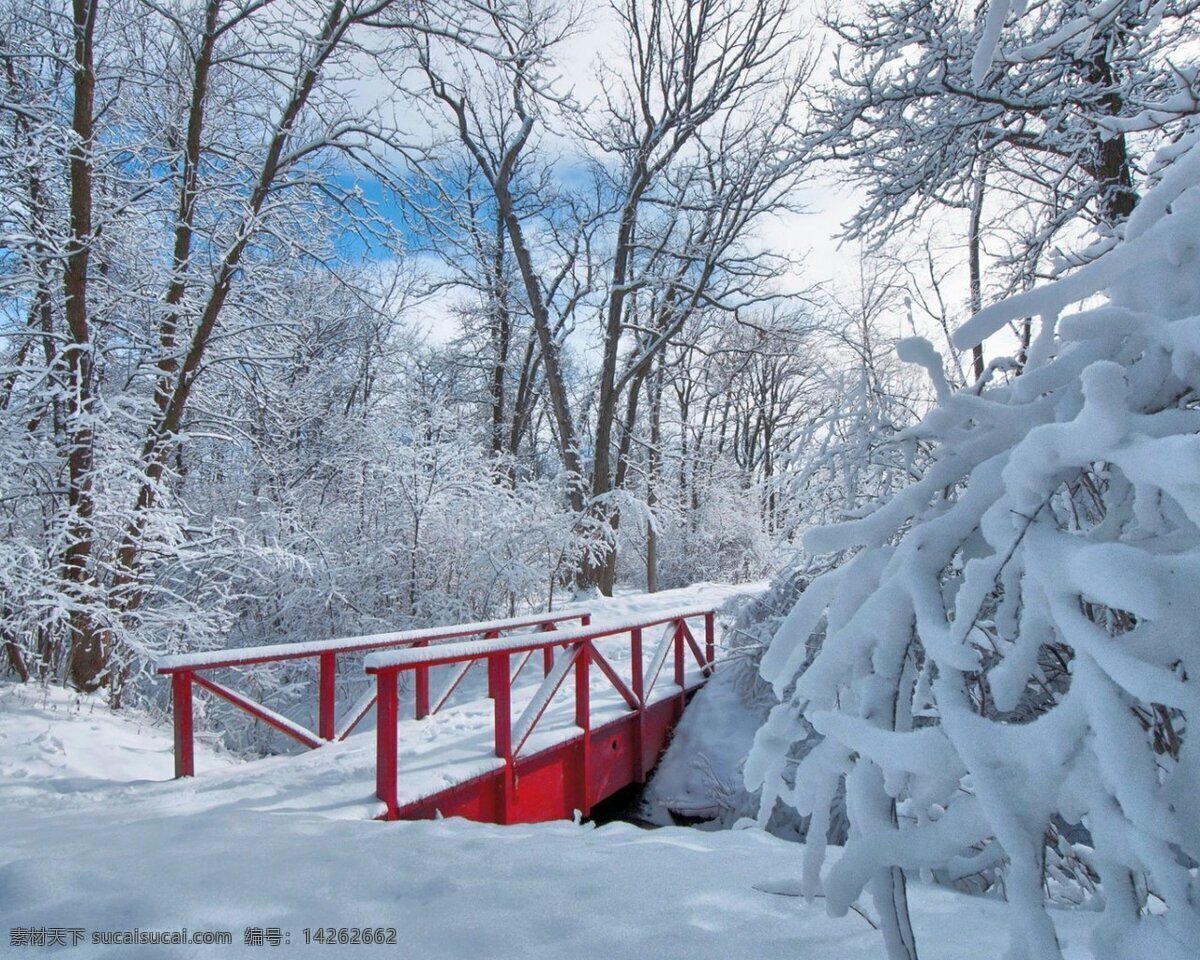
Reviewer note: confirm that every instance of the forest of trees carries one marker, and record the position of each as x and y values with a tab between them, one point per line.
225	420
988	679
223	222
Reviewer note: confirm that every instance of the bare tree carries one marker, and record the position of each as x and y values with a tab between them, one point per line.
693	143
212	133
919	121
911	129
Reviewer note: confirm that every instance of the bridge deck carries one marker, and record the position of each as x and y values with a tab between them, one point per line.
456	746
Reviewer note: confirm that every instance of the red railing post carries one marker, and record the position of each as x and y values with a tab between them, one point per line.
386	740
639	694
500	685
710	649
635	654
548	652
679	671
326	676
584	722
181	707
679	661
491	635
421	688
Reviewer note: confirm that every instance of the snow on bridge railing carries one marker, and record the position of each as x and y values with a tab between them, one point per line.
526	642
580	653
184	672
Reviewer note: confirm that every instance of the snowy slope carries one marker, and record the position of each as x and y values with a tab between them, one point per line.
97	837
700	775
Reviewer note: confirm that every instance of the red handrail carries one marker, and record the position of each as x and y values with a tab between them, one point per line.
184	672
581	653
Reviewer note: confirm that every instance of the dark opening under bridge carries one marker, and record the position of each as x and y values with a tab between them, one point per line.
533	748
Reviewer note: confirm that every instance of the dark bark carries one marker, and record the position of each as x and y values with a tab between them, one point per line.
548	342
501	330
973	249
653	475
16	659
185	215
1110	165
524	402
176	390
88	648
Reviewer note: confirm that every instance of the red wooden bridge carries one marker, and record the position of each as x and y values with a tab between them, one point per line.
543	744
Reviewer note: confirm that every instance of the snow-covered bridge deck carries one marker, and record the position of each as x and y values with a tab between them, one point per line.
583	719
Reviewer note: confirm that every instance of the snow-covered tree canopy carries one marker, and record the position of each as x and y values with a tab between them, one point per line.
922	100
223	226
1010	662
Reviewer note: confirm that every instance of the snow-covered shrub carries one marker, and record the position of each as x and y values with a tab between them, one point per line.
700	777
721	537
1011	654
848	460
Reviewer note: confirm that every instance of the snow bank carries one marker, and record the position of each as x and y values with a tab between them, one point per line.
700	774
91	842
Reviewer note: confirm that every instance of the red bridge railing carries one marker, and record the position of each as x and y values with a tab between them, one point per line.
578	655
188	669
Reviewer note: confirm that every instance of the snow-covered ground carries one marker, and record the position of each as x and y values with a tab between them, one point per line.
97	838
700	772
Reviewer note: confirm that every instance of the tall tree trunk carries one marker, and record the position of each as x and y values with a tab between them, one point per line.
653	471
524	402
600	570
501	330
16	659
1110	165
175	391
185	215
973	244
555	381
412	566
88	653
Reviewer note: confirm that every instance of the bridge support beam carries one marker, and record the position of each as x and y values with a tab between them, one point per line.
500	689
583	720
385	741
181	707
326	684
